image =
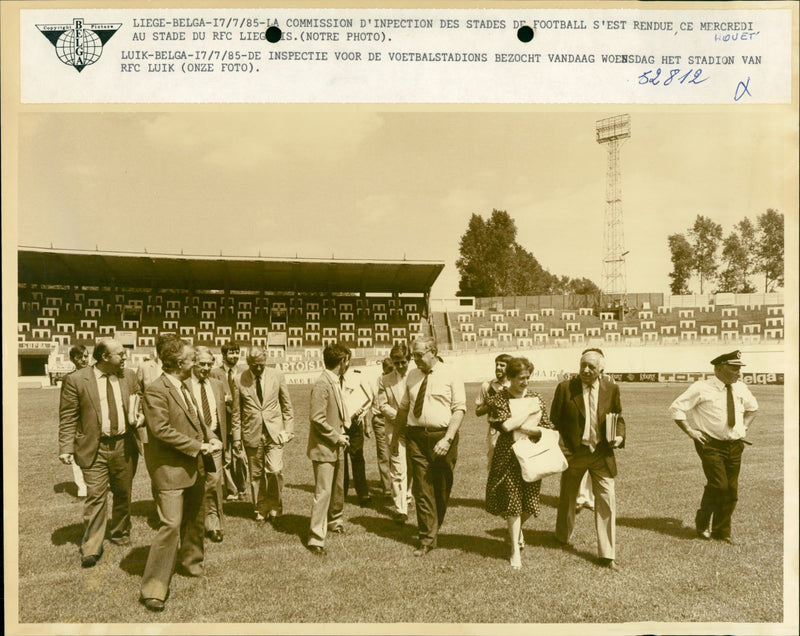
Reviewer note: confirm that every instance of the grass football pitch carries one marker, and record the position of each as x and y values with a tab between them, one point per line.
262	575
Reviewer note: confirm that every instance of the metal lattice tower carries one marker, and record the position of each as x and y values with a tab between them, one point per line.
612	132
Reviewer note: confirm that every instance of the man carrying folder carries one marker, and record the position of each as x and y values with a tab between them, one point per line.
579	412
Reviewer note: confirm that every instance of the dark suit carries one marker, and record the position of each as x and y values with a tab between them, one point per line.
175	435
327	415
568	415
107	463
262	422
231	397
218	429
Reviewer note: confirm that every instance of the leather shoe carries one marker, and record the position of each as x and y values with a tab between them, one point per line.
564	544
316	550
365	502
121	540
260	517
215	535
422	550
609	564
183	571
704	534
337	530
153	604
90	561
399	518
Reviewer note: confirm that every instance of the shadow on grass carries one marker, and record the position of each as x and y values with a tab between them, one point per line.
133	563
146	508
387	529
664	525
295	525
303	487
539	538
238	509
68	487
68	534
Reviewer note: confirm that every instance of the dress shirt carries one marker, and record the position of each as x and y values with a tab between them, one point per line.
707	401
212	401
590	432
105	422
444	395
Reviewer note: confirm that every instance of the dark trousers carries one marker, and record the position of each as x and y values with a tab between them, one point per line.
113	470
721	461
354	458
433	479
383	454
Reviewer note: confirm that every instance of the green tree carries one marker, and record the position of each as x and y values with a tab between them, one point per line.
769	253
492	263
583	287
704	237
682	263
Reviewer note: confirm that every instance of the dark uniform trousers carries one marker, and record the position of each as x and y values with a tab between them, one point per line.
721	461
354	457
433	479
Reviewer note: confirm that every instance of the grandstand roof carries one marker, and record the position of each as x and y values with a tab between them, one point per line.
171	271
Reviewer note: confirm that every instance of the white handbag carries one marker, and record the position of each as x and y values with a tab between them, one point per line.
540	459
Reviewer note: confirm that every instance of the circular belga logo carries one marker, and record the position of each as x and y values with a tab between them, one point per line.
79	44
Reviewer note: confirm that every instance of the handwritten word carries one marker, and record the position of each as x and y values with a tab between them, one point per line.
742	89
733	37
654	77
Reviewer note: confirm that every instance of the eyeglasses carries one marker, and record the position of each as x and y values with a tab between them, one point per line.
419	355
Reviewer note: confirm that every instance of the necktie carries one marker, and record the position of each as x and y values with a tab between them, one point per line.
230	379
113	416
731	407
187	397
421	397
206	406
259	390
592	419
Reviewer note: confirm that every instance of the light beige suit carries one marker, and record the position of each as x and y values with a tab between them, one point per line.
391	388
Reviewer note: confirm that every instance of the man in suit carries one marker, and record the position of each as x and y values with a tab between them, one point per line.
229	374
327	442
579	412
177	441
209	394
265	423
95	431
356	429
430	414
378	426
391	387
79	356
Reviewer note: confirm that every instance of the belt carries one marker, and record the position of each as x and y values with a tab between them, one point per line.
428	429
111	438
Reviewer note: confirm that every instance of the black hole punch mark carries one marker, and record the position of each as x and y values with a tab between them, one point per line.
273	34
525	34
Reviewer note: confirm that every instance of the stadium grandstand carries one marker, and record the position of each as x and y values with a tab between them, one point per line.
293	307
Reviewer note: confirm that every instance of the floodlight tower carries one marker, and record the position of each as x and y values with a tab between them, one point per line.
612	132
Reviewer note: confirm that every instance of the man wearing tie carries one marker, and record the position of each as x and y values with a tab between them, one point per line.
177	442
95	432
579	412
722	410
264	423
430	414
228	374
209	394
327	442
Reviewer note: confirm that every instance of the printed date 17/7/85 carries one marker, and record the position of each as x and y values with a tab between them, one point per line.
666	77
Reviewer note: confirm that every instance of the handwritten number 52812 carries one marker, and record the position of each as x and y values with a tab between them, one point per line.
692	76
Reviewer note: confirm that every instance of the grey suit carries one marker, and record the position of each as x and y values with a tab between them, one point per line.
327	416
176	470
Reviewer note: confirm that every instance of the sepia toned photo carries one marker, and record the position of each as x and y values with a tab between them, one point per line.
405	366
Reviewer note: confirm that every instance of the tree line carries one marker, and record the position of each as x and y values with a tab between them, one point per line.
748	250
492	263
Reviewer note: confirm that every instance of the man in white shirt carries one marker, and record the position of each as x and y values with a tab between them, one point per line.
209	396
430	413
722	410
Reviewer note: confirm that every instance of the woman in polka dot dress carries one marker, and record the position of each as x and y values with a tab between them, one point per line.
507	495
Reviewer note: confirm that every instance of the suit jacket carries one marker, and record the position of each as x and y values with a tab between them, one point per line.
174	437
391	388
231	395
326	415
275	413
79	413
219	396
568	415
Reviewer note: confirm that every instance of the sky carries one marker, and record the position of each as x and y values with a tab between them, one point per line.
372	183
